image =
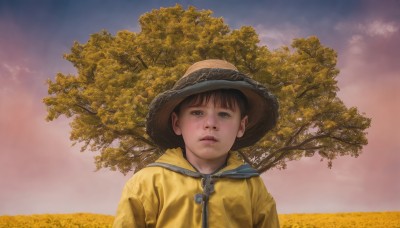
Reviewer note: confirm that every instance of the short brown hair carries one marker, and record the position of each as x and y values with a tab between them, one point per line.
226	98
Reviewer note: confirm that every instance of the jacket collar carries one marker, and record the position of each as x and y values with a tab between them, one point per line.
173	159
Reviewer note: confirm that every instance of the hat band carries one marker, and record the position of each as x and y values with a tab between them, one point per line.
210	85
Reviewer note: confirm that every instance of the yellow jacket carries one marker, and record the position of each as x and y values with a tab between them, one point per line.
171	193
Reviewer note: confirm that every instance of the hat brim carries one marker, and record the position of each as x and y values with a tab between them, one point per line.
262	112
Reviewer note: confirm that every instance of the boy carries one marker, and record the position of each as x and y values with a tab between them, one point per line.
200	181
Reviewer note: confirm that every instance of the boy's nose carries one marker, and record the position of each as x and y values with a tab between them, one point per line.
210	122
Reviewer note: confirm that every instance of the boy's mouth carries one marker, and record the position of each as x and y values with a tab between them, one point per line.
209	138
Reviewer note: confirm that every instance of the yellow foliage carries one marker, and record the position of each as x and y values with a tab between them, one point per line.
118	76
337	220
330	124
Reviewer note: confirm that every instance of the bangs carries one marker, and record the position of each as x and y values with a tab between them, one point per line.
225	98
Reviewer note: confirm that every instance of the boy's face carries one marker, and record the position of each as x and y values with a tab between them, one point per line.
208	130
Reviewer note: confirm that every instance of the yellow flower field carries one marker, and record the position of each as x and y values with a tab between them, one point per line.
337	220
57	220
342	220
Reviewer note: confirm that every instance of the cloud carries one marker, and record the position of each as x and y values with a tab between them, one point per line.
19	64
356	45
275	37
369	81
366	183
40	172
371	49
372	28
13	73
379	28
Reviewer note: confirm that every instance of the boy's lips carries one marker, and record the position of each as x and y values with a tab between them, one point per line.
209	138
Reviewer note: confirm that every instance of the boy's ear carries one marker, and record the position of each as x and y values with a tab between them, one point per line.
175	124
242	126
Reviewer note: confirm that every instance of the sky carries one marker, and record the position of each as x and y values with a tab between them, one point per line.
41	172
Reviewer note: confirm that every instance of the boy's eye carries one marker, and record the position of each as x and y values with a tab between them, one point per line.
224	114
196	113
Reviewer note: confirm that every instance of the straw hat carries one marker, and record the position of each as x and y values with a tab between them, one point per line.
205	76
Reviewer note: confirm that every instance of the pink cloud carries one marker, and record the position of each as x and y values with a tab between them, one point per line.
40	172
380	28
369	80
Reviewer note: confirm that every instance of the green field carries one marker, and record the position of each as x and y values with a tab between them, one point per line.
336	220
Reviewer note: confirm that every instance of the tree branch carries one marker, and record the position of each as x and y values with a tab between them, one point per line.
299	146
262	167
245	158
306	90
284	151
137	136
141	60
291	139
345	141
86	109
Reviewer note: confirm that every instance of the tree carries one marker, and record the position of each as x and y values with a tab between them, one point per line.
119	75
